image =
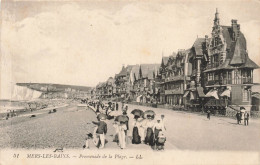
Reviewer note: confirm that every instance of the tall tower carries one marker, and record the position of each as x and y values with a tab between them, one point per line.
216	20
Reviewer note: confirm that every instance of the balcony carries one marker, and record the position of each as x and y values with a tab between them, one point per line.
213	65
226	81
174	78
212	82
244	80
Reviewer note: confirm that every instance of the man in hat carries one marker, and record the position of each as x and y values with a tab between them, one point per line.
208	114
238	117
246	118
101	131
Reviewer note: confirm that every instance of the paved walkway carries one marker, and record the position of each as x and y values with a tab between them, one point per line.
189	131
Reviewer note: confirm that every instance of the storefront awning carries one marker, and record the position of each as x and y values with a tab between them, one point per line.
212	93
200	92
186	93
226	93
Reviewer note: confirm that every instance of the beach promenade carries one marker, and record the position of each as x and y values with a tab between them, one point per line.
68	127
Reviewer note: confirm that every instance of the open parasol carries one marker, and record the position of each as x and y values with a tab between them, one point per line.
121	118
137	112
149	113
115	113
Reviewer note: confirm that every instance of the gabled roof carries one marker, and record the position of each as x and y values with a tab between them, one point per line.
123	72
237	54
100	84
238	51
198	46
181	55
166	58
148	70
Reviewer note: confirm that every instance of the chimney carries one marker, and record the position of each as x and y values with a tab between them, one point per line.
235	29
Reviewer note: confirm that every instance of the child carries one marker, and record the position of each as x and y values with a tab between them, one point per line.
160	141
89	136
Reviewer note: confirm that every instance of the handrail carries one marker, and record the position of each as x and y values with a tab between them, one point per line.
231	106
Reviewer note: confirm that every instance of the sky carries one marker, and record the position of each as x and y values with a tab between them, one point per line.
86	42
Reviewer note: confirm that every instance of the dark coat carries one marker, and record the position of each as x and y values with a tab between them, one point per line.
102	127
238	115
246	116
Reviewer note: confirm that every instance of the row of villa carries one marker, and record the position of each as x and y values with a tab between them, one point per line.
216	73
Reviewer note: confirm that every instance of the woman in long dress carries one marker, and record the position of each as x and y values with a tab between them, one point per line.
142	129
136	137
122	135
149	139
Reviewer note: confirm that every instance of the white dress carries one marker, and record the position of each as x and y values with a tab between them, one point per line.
121	135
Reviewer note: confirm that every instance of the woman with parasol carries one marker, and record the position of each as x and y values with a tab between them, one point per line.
136	126
149	138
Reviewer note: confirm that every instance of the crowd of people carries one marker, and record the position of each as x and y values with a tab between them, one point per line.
146	127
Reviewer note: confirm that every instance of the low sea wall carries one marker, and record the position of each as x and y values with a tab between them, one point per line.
229	112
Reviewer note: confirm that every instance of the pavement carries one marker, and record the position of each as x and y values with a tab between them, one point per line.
189	131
